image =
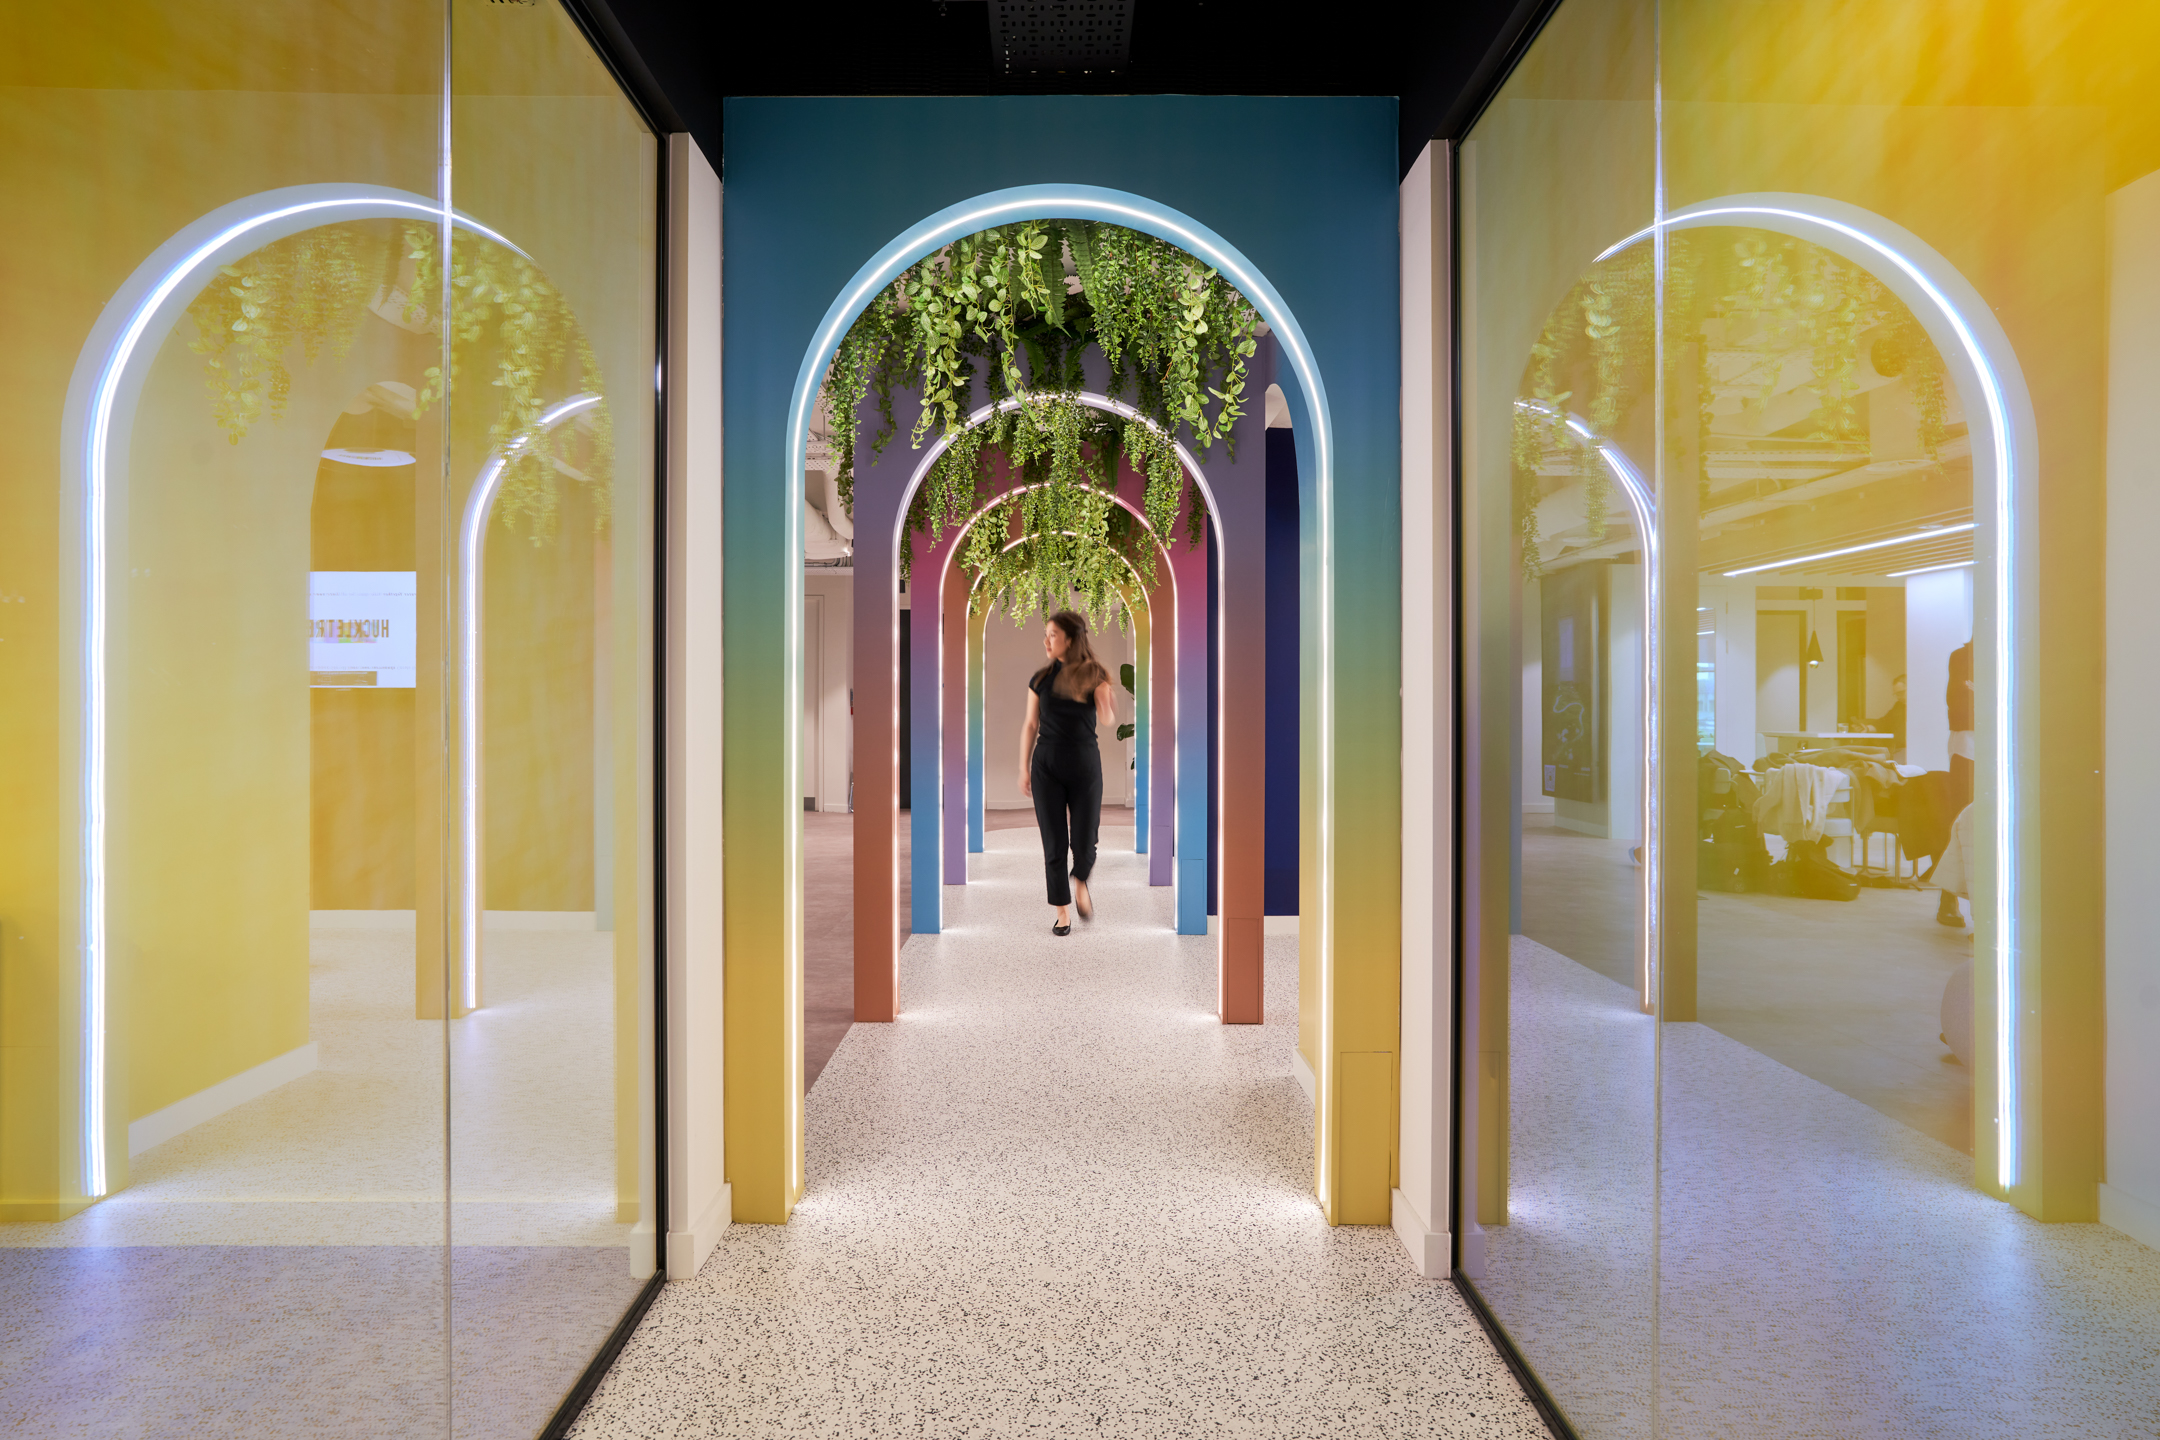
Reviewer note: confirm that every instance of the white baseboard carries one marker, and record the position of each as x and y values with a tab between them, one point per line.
687	1249
2138	1219
1305	1079
1428	1247
182	1115
1269	925
492	920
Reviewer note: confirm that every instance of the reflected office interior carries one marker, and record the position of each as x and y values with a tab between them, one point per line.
1804	1084
327	966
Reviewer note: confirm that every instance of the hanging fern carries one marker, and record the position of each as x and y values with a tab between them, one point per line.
1176	337
310	290
1796	298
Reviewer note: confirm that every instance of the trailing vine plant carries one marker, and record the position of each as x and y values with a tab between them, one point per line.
1791	298
1000	305
309	291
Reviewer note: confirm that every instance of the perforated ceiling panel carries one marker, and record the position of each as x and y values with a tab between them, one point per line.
1031	36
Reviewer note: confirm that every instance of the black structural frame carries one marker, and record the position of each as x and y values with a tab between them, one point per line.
602	32
1490	75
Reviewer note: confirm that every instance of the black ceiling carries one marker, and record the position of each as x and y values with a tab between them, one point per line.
1438	58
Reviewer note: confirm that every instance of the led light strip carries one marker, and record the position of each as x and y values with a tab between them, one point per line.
1643	507
136	321
943	442
1092	202
2002	389
1798	560
1931	569
472	552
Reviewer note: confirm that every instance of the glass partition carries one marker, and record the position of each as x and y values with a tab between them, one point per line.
1557	1195
326	1101
1880	355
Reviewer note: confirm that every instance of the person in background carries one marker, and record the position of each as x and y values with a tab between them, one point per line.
1958	696
1060	763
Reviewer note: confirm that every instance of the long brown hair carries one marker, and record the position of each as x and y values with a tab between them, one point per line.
1082	672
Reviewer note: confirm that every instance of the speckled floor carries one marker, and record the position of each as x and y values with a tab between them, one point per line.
1057	1198
294	1267
1823	1272
354	1152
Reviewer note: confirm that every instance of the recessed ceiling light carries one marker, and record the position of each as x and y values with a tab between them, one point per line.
1798	560
378	459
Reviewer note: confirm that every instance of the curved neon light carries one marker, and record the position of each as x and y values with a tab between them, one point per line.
976	417
472	551
1082	202
1643	507
102	392
1979	354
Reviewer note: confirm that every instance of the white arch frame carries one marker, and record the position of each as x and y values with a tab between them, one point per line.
1642	506
1977	352
95	428
472	557
1094	400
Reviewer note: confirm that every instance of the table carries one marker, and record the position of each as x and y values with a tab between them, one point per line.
1784	740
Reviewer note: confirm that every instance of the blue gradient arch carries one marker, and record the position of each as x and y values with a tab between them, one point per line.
1309	187
1136	212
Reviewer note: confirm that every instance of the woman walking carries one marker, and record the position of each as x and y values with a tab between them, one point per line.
1060	765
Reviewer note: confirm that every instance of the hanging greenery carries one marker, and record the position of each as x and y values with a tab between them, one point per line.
507	321
1793	299
1000	304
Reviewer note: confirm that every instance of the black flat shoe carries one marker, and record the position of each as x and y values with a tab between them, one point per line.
1084	901
1061	929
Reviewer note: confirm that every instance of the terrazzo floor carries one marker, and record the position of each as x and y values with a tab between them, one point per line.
1822	1270
1057	1198
295	1267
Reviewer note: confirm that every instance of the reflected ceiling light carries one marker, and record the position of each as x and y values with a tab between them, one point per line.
377	459
1814	650
1930	569
1798	560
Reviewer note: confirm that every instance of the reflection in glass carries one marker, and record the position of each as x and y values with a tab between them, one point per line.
238	1089
1881	627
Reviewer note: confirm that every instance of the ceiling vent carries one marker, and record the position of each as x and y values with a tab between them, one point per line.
1042	37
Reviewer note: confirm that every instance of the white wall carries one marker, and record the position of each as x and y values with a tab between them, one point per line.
1420	1204
1534	798
828	723
1938	619
1624	712
2130	1198
699	1200
1732	613
1015	653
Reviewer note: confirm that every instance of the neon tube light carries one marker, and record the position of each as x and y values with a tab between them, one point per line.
1642	507
1930	569
1933	278
1798	560
472	552
138	318
1094	202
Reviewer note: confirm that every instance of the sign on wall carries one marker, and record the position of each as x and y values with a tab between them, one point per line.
361	630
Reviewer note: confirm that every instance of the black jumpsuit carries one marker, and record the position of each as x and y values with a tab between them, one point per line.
1066	776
